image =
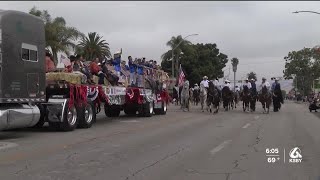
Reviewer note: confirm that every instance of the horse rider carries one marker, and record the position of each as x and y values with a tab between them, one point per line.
237	89
205	82
227	84
247	83
253	86
264	83
277	98
196	87
276	82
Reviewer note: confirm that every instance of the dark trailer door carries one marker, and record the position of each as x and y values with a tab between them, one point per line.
22	72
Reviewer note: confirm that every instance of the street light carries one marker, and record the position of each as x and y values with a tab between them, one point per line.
314	12
172	66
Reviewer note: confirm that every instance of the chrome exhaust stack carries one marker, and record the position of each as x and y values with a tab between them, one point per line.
14	116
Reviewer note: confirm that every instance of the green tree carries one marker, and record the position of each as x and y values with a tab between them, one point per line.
59	36
200	60
252	75
93	46
177	44
305	65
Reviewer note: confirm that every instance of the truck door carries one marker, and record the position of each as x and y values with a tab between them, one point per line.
33	84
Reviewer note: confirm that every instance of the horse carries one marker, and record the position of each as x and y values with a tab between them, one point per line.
265	98
191	94
236	98
196	96
226	97
203	96
213	97
185	96
277	98
253	100
245	96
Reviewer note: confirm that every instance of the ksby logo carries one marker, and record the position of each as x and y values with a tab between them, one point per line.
295	155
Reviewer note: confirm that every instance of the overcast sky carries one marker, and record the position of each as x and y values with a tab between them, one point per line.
259	34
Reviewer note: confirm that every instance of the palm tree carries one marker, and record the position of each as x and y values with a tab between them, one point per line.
176	44
235	62
93	46
59	37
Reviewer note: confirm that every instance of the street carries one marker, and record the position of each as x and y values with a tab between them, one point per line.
191	145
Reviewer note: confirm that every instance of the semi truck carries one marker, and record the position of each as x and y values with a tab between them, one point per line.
29	96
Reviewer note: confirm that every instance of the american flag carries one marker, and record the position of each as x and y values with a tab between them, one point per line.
181	77
65	60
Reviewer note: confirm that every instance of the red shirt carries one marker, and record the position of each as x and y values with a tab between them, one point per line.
94	68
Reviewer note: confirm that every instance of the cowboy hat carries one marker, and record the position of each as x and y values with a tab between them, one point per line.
205	77
247	79
252	79
264	78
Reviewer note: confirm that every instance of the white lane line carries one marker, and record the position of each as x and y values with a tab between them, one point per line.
246	126
218	148
130	121
6	145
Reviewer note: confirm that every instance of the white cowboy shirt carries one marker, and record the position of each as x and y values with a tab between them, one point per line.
205	83
228	85
248	84
237	89
265	84
196	88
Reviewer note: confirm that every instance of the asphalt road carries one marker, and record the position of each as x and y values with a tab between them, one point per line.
177	146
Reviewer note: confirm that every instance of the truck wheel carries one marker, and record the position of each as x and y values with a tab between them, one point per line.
86	115
148	109
129	112
163	110
70	118
107	110
111	112
115	113
43	115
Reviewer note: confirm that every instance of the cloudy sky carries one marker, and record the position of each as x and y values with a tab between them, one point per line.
259	34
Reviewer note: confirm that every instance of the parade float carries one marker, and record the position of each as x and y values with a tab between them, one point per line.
29	96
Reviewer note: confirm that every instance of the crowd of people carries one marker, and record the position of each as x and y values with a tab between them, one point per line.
251	84
115	70
274	88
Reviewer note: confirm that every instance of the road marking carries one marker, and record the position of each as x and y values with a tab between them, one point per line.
6	145
246	126
130	121
218	148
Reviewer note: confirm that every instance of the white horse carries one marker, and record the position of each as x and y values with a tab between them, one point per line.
185	96
203	96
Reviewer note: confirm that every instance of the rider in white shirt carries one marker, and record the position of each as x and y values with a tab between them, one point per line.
196	87
237	89
227	83
205	82
265	83
247	83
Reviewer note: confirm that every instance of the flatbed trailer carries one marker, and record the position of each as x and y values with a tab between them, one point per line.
29	96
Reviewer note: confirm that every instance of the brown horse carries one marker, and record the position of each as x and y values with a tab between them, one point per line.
245	97
265	98
213	97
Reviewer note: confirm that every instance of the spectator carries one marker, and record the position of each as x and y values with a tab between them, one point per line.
132	68
97	70
79	66
50	67
140	73
116	62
